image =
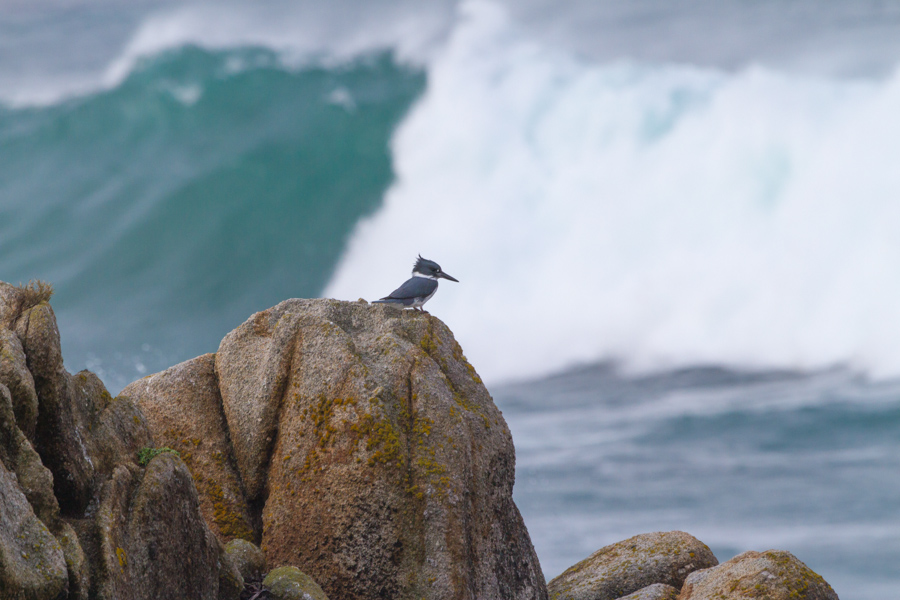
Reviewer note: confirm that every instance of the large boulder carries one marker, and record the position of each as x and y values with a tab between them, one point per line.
773	574
150	540
630	565
367	448
184	411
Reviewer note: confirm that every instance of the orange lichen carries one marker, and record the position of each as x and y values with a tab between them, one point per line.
231	523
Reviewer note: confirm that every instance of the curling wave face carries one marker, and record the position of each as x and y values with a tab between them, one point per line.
205	186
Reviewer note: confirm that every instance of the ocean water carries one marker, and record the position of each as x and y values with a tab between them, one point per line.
675	226
742	460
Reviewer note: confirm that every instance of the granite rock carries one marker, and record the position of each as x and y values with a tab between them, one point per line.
773	574
82	433
657	591
32	564
630	565
151	541
183	410
368	452
290	583
14	374
248	558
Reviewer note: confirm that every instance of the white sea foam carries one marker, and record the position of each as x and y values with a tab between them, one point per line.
300	32
659	214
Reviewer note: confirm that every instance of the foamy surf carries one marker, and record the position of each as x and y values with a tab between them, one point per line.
301	35
657	214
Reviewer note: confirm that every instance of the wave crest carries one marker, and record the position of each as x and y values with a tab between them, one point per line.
661	215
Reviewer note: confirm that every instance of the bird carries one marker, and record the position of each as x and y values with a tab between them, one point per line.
418	289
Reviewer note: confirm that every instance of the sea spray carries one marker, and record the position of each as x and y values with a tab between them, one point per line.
657	214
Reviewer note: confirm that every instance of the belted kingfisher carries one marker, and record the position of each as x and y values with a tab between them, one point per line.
418	289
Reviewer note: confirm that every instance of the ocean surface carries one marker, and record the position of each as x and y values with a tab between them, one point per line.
676	227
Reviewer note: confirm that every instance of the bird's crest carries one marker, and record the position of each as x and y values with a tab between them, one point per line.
423	265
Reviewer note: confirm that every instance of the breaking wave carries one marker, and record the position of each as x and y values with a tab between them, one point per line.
655	214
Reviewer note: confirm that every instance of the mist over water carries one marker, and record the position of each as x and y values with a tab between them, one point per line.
627	192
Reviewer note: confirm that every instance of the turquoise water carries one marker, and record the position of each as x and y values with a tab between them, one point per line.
611	185
204	187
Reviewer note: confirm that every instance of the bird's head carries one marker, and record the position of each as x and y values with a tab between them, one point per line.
430	269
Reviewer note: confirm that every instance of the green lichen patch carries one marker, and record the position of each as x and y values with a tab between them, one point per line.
145	455
427	342
382	441
321	413
464	402
797	577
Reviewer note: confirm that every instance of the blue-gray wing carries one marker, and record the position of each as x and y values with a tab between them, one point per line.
415	287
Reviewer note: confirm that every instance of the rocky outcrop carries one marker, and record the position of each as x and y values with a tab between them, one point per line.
681	567
368	446
74	506
32	482
353	441
19	456
630	565
183	408
82	432
773	574
150	540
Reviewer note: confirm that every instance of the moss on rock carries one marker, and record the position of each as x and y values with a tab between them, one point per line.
290	583
248	558
769	575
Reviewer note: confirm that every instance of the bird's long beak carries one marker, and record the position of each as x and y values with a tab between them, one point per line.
445	276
